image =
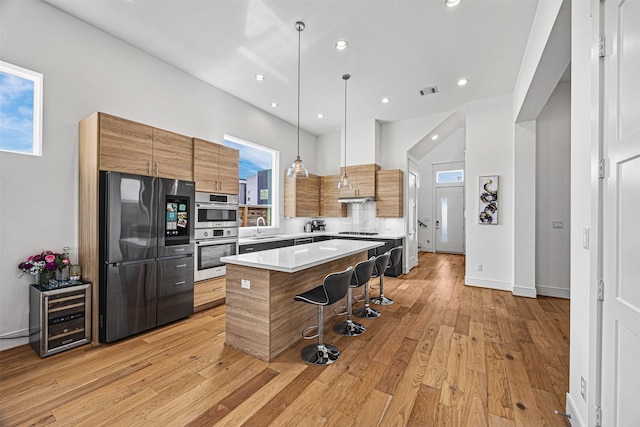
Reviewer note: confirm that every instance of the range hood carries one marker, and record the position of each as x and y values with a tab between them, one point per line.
356	199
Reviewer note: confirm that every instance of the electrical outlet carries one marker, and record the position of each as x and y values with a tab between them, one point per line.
479	267
583	388
245	284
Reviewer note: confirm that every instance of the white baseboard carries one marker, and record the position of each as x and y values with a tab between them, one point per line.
576	420
554	291
524	291
491	284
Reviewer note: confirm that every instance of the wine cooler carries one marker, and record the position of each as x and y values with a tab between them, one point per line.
60	317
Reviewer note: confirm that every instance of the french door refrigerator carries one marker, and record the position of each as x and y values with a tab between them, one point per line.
146	253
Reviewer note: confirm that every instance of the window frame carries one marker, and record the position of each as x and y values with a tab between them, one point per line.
275	179
37	79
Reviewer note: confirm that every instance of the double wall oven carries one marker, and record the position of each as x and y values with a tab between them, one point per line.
216	233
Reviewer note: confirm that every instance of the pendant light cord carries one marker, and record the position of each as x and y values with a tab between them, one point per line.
299	36
345	77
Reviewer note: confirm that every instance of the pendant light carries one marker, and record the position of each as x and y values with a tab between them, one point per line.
345	182
297	167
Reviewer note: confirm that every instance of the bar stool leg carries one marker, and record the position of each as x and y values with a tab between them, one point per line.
320	354
349	328
366	312
381	299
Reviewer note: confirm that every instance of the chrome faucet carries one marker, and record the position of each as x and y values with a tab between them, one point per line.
258	225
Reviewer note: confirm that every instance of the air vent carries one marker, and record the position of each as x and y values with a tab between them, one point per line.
429	90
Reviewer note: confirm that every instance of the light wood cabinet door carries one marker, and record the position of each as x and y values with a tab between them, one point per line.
228	164
363	180
125	146
389	193
215	167
329	194
205	165
172	155
301	196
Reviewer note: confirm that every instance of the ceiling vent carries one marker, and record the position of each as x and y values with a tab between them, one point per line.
429	90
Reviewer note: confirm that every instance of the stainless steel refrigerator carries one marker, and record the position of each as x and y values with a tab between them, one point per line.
146	253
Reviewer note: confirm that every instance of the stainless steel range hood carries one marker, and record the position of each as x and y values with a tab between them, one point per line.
356	199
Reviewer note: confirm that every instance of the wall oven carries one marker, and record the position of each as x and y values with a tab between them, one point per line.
211	245
216	210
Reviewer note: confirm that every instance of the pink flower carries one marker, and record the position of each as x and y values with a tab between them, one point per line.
66	261
49	258
30	258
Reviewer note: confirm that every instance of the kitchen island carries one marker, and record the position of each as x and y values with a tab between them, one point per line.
261	317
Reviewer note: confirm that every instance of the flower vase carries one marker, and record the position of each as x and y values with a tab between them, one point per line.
44	277
63	274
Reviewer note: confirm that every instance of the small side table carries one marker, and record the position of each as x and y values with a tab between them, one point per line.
59	316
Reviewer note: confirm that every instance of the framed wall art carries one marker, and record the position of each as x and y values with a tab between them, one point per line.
488	200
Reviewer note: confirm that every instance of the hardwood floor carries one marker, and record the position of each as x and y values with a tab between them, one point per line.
443	354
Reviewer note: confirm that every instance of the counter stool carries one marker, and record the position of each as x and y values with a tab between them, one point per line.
361	275
367	312
394	258
333	288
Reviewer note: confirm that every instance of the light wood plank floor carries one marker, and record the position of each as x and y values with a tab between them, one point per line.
443	354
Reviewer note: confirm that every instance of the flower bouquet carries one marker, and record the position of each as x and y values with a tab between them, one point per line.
44	265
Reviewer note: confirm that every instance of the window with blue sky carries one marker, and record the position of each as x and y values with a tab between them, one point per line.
20	110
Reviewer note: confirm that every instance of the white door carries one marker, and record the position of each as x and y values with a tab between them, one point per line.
621	216
412	225
450	219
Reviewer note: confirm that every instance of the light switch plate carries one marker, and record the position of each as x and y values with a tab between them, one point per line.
557	224
245	284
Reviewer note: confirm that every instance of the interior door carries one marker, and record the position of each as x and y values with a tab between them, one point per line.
621	227
450	219
412	233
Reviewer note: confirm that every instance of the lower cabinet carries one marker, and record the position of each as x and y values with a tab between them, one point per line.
209	293
256	247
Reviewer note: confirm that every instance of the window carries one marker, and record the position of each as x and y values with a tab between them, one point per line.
20	110
449	176
257	181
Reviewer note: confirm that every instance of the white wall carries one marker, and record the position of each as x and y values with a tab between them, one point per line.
489	151
449	150
553	181
86	70
328	159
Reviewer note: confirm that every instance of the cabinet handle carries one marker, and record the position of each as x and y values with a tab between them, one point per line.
181	266
181	282
221	185
149	167
156	168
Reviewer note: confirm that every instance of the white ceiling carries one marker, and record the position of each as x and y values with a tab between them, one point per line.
396	48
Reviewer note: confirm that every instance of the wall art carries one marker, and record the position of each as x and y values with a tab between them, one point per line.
488	200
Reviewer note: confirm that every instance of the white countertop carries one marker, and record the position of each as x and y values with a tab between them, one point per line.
295	258
276	237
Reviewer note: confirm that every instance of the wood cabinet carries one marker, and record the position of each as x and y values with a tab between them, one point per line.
215	167
301	196
363	180
329	194
130	147
209	293
389	193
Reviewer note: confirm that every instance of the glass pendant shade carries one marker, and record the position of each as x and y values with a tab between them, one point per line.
297	169
345	182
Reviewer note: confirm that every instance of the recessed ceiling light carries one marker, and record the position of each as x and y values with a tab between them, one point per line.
341	44
320	115
259	77
451	3
274	104
463	82
434	137
385	100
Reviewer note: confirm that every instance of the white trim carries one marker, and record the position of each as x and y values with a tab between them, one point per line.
524	291
570	409
36	78
490	284
554	291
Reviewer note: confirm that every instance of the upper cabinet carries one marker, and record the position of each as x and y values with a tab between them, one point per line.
130	147
215	167
329	194
301	196
389	193
363	181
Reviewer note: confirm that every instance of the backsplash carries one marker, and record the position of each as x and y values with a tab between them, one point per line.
362	215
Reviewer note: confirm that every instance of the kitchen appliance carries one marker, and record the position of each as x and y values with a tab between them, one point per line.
307	227
146	253
211	245
216	233
318	225
216	210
